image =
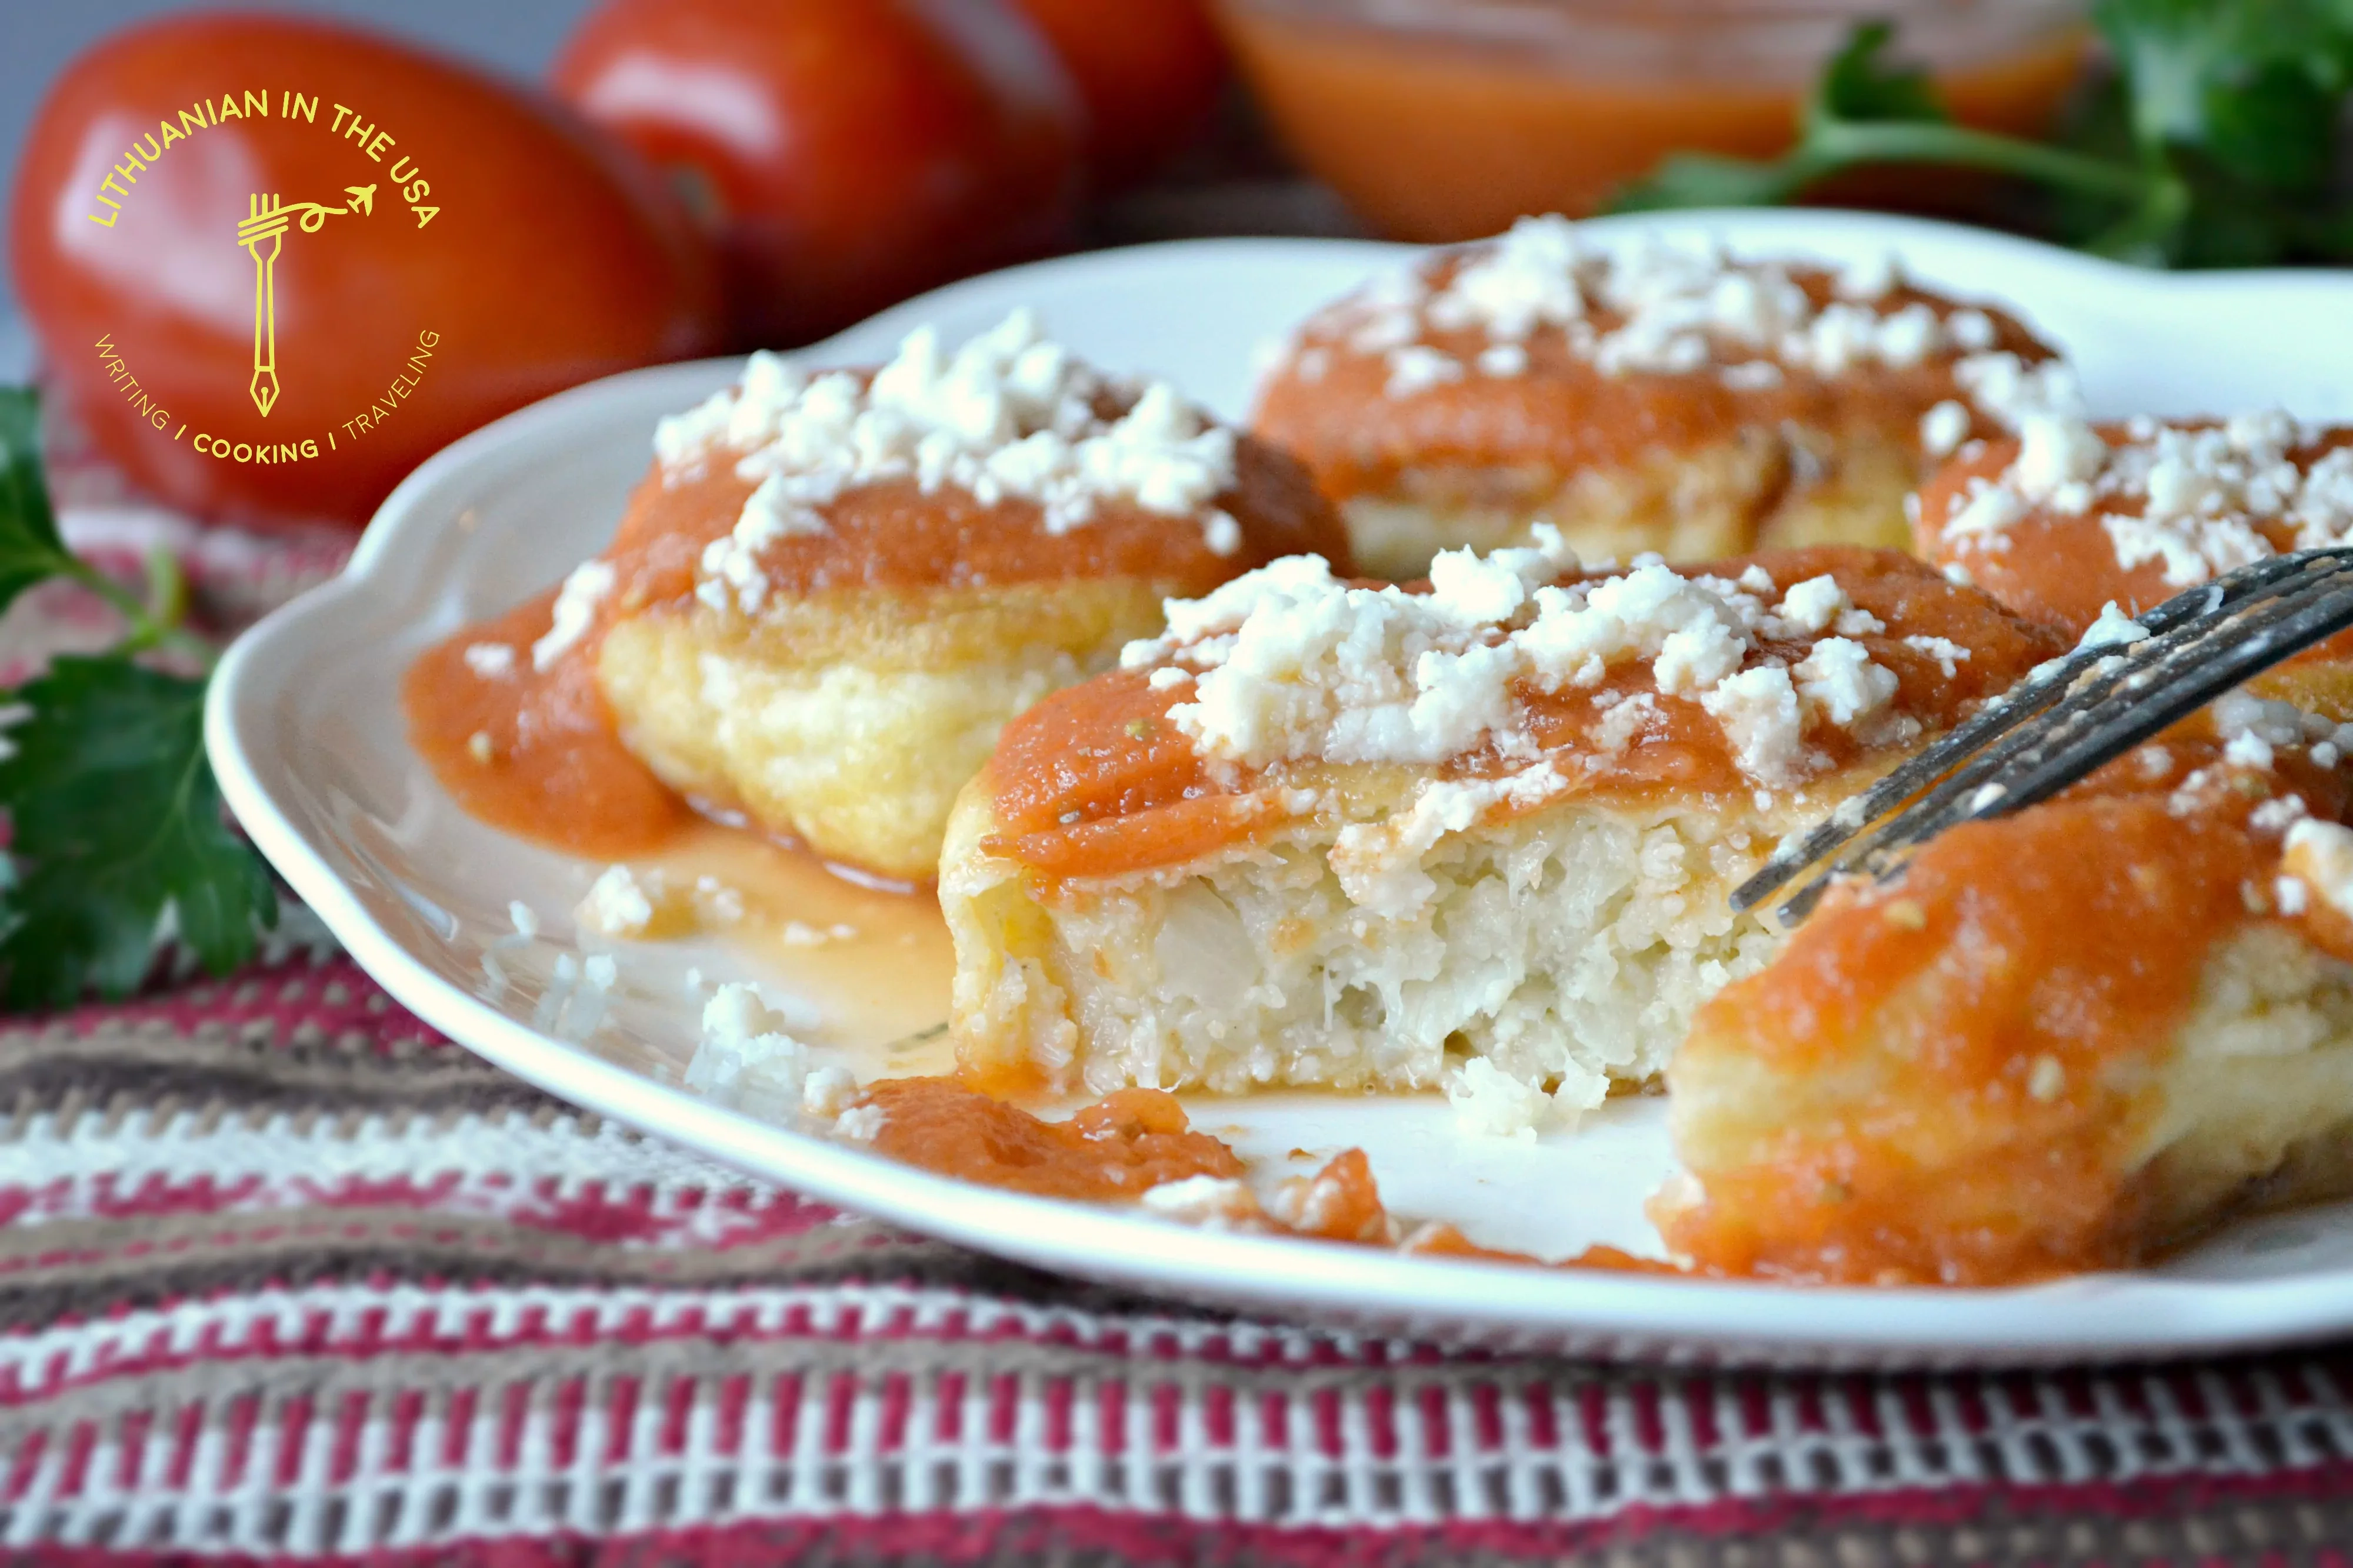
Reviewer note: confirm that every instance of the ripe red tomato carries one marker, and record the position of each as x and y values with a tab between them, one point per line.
1150	71
849	152
274	263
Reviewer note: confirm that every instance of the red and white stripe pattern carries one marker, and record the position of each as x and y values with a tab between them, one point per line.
349	1418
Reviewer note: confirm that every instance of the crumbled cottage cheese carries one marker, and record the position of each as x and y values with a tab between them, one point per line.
617	904
1289	662
2319	855
1009	415
2193	502
490	661
575	612
1213	1203
748	1061
1675	311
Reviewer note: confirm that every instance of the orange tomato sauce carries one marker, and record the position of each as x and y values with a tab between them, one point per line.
1136	1139
534	752
1564	414
1120	1147
1439	139
1096	781
1945	1078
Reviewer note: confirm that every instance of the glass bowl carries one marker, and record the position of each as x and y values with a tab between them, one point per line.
1443	120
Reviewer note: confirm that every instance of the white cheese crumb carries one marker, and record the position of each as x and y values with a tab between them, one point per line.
2278	814
1841	679
2248	751
616	905
2046	1080
2320	855
716	902
745	1060
2113	629
2289	894
825	1093
2252	727
2010	391
1948	654
2055	450
490	661
575	612
861	1123
1874	278
1221	532
523	919
1417	368
1986	515
1943	427
1972	330
1813	605
1502	361
1213	1203
478	745
1760	713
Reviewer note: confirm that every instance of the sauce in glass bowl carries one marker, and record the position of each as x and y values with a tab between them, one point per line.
1440	121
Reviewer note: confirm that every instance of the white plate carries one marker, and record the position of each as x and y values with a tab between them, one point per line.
308	743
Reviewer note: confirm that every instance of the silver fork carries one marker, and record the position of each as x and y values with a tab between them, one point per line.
2069	717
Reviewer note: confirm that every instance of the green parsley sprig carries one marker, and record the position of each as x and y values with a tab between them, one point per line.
115	817
2214	142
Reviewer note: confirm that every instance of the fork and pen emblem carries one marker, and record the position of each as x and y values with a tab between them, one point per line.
266	221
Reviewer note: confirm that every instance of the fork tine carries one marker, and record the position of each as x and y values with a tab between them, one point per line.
1982	735
2076	713
2068	745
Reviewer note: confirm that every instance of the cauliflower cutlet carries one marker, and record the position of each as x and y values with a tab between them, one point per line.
2058	1041
834	589
1478	836
1649	400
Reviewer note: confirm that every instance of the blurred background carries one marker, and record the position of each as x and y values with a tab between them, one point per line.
696	176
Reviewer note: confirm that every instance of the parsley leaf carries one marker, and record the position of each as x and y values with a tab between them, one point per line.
2253	84
1859	83
117	818
114	817
2215	145
30	549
